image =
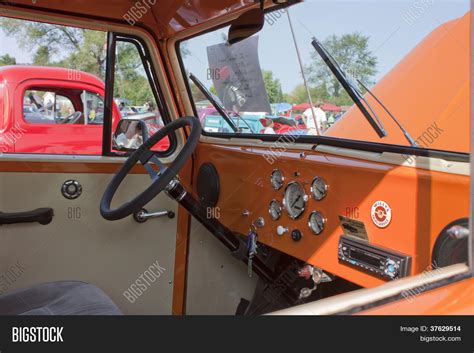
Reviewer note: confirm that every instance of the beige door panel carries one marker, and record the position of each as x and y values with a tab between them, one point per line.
80	245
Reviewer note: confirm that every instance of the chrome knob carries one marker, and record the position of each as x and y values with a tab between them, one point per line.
282	230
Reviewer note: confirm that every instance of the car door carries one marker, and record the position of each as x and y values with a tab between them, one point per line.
79	244
131	261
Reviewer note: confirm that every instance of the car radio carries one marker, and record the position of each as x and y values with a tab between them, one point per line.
373	259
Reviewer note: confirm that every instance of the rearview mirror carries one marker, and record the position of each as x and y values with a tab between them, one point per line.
246	25
129	135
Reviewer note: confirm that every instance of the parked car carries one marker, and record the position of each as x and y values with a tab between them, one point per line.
51	110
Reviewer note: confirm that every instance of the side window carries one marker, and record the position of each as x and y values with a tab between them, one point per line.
56	87
133	93
48	107
66	67
93	105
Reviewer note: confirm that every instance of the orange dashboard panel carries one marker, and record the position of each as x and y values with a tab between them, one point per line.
402	209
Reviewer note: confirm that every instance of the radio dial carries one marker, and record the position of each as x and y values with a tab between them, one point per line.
391	268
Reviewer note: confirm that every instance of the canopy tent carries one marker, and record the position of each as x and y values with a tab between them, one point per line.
302	106
278	108
330	107
326	107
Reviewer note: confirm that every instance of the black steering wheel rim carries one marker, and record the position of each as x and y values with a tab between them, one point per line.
144	154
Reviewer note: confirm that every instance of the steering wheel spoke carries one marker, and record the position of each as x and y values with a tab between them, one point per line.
155	174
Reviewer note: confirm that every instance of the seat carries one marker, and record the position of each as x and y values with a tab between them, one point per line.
58	298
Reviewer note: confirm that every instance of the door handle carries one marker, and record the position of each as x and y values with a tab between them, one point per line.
41	215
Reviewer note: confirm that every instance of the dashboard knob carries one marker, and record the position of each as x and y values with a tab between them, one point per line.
296	235
282	230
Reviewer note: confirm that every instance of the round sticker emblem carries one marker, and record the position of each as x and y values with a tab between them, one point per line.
381	214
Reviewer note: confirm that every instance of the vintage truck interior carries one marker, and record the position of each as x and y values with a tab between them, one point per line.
230	220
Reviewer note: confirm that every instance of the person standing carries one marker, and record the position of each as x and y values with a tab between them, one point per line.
320	117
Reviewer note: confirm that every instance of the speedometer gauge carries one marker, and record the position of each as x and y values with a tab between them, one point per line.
316	222
295	200
319	188
275	210
277	179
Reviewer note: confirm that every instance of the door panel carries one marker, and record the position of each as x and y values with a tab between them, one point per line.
422	202
79	244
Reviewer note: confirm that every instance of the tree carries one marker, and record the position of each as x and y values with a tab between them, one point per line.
273	87
300	95
352	53
74	48
84	50
7	60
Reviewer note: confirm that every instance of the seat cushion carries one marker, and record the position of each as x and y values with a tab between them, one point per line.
58	298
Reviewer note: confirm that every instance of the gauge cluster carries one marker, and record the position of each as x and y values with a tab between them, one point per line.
295	202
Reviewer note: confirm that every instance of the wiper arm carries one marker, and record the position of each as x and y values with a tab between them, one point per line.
405	132
245	121
214	102
362	98
355	96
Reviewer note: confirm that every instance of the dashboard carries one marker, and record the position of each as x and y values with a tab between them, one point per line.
309	205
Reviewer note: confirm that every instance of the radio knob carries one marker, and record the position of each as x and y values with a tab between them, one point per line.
391	268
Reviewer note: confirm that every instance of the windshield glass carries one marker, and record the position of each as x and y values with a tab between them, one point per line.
386	91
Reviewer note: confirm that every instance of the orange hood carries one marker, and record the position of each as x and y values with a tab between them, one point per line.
428	92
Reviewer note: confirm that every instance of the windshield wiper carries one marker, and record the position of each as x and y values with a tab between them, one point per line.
399	124
214	102
355	95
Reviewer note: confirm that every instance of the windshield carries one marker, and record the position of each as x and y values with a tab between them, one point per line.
356	81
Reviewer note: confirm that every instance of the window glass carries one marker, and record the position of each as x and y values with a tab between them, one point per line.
93	105
48	107
133	93
56	76
304	73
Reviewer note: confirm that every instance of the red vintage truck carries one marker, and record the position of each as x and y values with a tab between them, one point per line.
53	110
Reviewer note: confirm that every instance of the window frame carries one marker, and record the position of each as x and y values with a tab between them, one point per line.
148	66
315	140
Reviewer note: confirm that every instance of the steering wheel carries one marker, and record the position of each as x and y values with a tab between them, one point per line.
70	119
160	179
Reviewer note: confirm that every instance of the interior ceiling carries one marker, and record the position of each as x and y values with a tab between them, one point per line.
165	17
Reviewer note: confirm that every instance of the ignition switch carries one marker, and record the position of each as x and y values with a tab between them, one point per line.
296	235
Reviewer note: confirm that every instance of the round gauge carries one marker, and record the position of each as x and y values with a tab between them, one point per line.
316	222
319	188
277	179
294	200
275	210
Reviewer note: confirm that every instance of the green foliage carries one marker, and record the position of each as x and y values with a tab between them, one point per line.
300	95
130	78
84	50
352	53
54	45
7	60
273	86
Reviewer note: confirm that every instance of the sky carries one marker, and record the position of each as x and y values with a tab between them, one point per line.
391	36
